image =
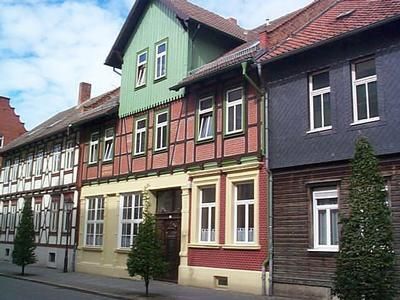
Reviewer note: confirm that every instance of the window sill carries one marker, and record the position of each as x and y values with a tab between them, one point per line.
139	155
122	251
204	246
242	247
205	140
233	134
365	121
331	250
93	164
92	249
139	87
107	162
319	130
159	151
159	79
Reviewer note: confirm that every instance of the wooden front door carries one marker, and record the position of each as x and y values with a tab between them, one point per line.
168	220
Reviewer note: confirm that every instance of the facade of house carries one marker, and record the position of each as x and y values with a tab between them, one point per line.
198	153
41	166
332	82
11	126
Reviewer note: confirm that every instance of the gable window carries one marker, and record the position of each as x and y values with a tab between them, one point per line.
14	169
234	111
161	131
325	219
36	217
141	70
29	165
1	141
207	214
365	95
320	102
94	148
161	60
54	216
140	136
108	144
205	119
69	156
131	217
39	163
94	222
56	158
244	212
6	171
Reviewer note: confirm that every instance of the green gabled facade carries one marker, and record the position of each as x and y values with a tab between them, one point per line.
189	44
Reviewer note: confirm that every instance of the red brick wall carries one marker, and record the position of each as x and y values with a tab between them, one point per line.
11	126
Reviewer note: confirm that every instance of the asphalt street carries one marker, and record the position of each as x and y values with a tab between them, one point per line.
13	289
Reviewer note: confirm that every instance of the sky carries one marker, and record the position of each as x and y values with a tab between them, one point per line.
47	47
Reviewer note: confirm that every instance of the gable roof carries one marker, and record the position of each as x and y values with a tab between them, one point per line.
185	11
344	18
104	104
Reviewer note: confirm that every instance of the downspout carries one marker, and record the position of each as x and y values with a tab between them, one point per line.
264	151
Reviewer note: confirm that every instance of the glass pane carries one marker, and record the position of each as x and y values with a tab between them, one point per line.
330	201
208	195
241	223
317	112
365	69
164	140
141	124
373	100
203	127
334	227
245	191
322	238
161	48
206	104
159	138
234	95
320	81
327	109
95	137
204	218
238	117
142	57
231	116
362	102
162	118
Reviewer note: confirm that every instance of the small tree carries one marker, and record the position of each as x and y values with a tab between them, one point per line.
24	243
365	264
146	258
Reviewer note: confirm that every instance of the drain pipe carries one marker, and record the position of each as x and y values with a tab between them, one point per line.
264	150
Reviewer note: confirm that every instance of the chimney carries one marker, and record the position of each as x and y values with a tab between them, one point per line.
232	20
84	92
264	40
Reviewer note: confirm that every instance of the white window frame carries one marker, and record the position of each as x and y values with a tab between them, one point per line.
138	68
37	216
56	163
208	114
96	221
5	218
14	169
209	207
247	204
1	141
6	171
68	207
234	104
140	135
163	138
69	156
132	221
13	216
314	93
319	194
158	60
54	215
94	148
29	165
39	163
108	153
362	81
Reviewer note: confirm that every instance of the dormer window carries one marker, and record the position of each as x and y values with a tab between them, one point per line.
141	71
1	141
161	60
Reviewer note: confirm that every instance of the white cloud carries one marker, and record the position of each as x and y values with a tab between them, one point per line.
48	46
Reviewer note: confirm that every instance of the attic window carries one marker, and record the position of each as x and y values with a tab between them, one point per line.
345	14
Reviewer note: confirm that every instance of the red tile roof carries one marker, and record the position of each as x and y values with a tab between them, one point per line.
344	17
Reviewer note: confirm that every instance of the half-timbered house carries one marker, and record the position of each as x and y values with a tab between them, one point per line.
335	79
198	154
41	166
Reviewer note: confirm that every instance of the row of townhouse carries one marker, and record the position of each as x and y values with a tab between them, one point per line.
243	139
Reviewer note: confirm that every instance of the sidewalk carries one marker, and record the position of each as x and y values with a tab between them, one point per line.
118	288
